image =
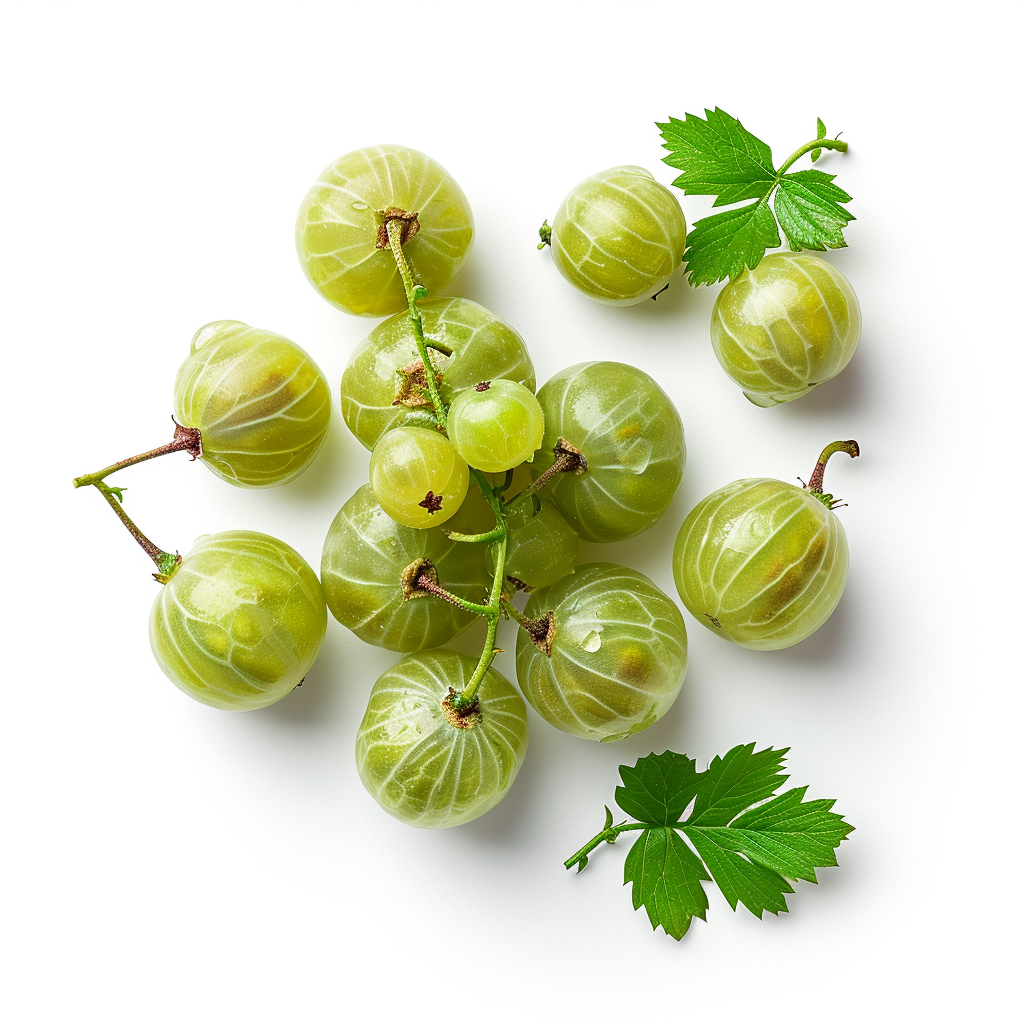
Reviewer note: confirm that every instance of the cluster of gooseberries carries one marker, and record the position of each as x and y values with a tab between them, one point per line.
480	487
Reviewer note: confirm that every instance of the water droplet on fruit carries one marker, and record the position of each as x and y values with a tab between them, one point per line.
592	641
359	206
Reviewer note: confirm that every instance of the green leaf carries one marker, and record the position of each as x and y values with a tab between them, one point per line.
723	244
751	842
659	788
718	157
666	877
807	205
787	835
741	881
735	782
821	134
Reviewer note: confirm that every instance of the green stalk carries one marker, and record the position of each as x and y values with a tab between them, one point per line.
163	560
413	293
465	701
607	835
808	147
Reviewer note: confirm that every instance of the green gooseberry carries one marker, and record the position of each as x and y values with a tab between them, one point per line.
365	555
783	328
604	652
762	562
261	405
618	236
426	763
340	234
618	441
382	386
240	622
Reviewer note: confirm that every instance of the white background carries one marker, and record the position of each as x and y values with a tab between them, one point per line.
163	861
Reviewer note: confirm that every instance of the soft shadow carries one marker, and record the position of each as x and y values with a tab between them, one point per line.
832	642
325	697
842	394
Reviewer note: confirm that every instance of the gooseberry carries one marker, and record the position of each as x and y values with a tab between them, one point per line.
622	439
365	555
240	622
762	562
496	425
418	477
611	656
786	326
425	762
261	405
618	236
383	385
341	238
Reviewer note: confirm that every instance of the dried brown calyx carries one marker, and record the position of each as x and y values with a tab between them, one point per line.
413	390
410	226
462	716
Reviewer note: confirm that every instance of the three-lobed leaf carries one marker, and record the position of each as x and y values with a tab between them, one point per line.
750	840
718	156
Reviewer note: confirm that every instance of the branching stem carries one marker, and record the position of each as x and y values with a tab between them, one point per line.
464	702
186	439
413	293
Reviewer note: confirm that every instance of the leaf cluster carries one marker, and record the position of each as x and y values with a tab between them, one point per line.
719	157
743	835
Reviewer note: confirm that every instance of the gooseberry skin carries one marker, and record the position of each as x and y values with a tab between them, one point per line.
417	765
482	346
541	547
364	555
337	229
418	477
240	622
761	562
496	426
632	438
260	403
786	326
618	656
619	236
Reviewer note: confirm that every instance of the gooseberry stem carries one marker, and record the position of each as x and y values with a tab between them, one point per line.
413	293
163	560
186	439
816	483
607	835
427	585
808	147
463	703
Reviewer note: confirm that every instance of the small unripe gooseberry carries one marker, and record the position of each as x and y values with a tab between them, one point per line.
418	477
241	621
260	403
496	425
338	232
474	344
786	326
619	236
423	763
